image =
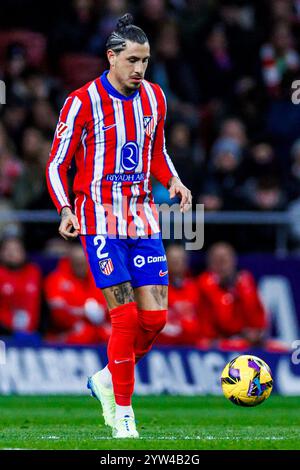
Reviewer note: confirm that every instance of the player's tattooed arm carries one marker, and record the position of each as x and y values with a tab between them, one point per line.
160	295
123	293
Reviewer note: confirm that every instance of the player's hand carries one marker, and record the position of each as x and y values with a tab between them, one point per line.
68	222
178	189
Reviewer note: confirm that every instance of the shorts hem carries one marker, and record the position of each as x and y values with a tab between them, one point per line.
147	283
113	284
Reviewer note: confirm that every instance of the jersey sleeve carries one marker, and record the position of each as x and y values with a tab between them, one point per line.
162	167
66	139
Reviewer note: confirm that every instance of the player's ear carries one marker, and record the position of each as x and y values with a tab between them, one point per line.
111	56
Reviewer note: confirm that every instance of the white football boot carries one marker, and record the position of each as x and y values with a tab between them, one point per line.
125	428
106	397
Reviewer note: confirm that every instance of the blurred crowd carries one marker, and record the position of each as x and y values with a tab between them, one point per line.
219	308
227	68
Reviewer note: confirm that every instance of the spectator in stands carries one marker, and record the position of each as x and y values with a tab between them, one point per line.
112	10
293	183
293	191
77	307
15	65
224	170
233	128
10	169
231	312
72	31
10	165
30	183
170	70
43	116
151	16
182	324
188	156
20	289
14	118
265	194
278	56
261	161
211	197
215	68
282	10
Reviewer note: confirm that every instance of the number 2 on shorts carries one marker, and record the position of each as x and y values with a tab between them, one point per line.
101	239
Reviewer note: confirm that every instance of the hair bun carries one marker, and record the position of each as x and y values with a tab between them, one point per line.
124	21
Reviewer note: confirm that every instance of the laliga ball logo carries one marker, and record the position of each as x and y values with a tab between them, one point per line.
139	261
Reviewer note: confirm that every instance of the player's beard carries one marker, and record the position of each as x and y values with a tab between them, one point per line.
129	89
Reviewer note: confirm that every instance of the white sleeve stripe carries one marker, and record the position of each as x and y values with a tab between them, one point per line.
62	152
66	139
168	160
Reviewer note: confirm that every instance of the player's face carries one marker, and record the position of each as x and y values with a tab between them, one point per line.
129	66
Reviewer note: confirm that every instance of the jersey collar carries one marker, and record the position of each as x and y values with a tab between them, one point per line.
112	90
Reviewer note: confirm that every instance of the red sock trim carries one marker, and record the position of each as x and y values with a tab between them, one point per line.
121	308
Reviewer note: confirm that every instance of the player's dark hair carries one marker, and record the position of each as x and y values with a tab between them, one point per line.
125	30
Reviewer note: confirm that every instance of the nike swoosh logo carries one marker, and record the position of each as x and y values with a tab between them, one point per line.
162	273
105	128
120	362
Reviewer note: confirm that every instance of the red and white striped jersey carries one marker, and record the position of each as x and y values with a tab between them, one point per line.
118	142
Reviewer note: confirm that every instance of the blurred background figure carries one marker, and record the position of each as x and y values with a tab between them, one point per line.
78	312
183	314
188	158
20	290
231	312
224	172
278	56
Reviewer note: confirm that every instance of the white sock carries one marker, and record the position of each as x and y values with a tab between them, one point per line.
122	411
104	376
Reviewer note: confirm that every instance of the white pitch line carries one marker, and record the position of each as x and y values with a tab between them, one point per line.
186	438
170	438
14	448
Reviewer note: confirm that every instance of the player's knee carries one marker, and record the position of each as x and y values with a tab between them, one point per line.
153	321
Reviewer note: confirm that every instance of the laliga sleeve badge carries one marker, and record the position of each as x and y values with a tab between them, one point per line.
106	266
61	129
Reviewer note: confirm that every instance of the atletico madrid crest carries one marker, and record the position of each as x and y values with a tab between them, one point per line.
149	125
106	266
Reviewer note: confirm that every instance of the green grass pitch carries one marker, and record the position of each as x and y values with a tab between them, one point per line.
164	422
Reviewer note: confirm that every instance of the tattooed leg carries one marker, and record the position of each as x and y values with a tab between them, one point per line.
118	295
152	297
